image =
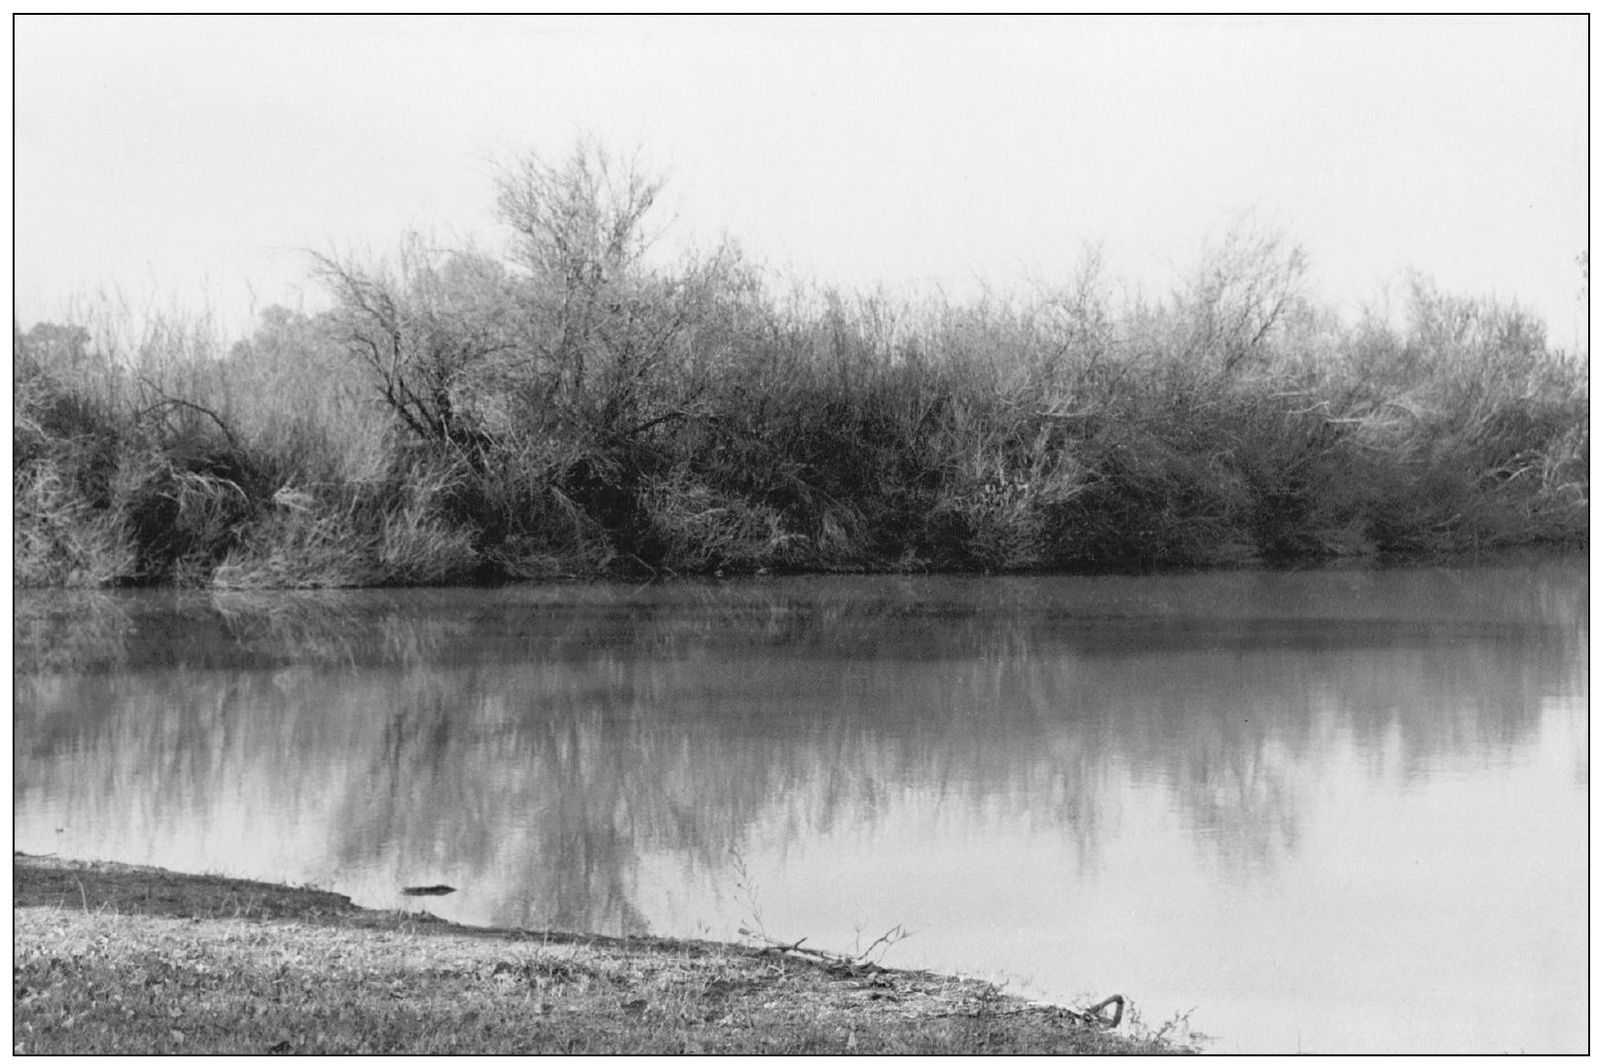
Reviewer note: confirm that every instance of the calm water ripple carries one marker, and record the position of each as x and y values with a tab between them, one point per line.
1331	811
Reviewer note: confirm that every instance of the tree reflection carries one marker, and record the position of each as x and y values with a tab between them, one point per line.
536	745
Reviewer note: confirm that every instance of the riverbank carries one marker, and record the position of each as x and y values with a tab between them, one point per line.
113	958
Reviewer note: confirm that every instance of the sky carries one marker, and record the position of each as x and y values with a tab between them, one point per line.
183	162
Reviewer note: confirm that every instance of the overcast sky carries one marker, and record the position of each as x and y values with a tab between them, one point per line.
187	159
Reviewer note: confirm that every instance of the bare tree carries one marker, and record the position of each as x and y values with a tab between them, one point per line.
432	331
1246	283
608	338
580	234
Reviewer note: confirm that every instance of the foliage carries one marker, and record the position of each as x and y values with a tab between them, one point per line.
585	406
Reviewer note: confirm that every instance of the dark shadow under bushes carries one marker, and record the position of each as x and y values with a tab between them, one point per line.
574	410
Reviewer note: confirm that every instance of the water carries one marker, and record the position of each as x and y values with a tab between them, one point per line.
1338	811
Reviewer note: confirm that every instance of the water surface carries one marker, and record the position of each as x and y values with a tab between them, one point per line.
1332	811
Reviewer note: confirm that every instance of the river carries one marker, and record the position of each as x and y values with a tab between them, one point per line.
1338	810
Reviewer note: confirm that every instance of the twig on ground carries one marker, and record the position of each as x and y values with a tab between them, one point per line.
889	939
775	946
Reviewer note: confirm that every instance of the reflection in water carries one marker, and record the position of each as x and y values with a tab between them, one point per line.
1069	771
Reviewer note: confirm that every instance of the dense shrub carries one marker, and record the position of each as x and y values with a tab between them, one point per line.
583	406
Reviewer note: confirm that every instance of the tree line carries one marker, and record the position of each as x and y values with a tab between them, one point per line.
579	403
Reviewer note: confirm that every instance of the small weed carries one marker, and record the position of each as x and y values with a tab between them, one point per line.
748	890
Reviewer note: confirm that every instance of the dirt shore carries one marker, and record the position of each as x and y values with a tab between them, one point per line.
112	958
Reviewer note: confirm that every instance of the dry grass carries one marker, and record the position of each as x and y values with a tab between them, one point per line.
115	959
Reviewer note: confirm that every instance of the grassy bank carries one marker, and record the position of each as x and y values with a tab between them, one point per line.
118	959
579	407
